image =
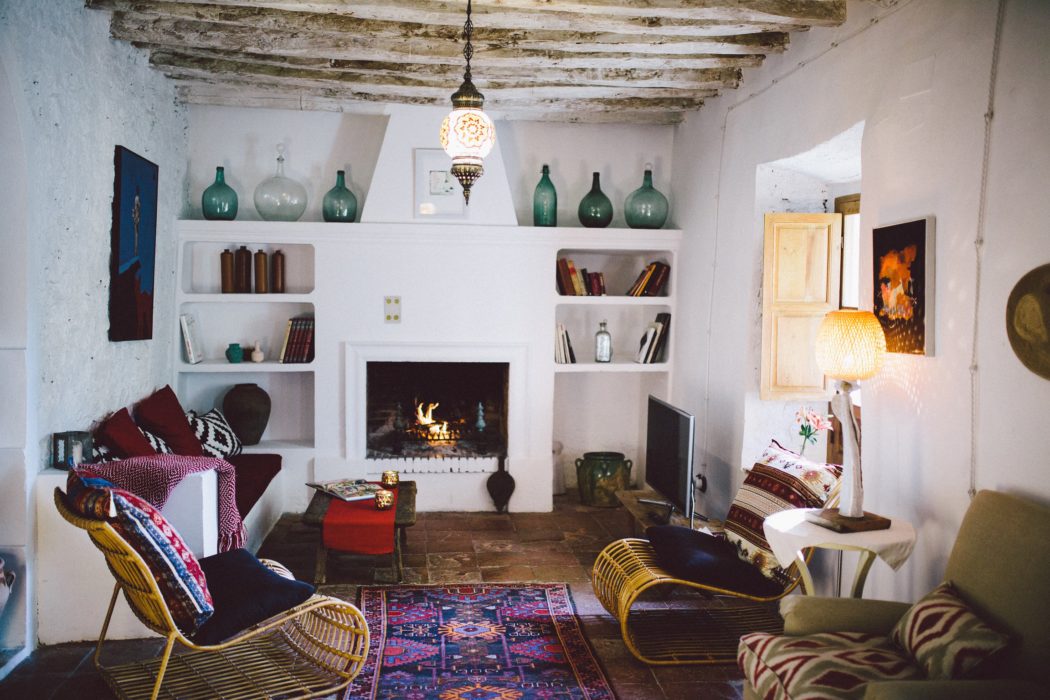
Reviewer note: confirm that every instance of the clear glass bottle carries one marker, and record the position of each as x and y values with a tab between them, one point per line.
602	344
280	198
545	201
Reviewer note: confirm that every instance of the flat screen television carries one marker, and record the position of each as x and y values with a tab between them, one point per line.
669	454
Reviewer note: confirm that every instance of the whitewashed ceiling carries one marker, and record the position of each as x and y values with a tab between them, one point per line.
642	61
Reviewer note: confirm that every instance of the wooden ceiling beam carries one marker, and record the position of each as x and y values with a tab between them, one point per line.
792	14
243	66
296	33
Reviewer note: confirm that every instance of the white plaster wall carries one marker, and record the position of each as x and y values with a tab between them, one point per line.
918	79
77	95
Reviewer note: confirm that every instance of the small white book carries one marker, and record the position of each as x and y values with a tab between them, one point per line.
191	339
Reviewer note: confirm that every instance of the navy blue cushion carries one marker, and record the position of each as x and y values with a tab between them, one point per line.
244	593
701	558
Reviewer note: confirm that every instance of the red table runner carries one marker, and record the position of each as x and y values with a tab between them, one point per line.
358	527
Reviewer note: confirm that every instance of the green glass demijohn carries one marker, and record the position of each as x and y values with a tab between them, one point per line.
339	203
596	210
645	207
545	201
219	201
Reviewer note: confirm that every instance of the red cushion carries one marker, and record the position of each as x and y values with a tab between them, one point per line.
161	413
120	434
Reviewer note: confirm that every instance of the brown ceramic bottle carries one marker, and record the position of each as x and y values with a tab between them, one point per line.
277	272
262	277
242	271
226	270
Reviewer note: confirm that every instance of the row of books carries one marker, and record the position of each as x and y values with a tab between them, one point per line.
298	345
651	346
575	282
563	353
651	281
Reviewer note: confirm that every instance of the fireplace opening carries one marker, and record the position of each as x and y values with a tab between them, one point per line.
435	410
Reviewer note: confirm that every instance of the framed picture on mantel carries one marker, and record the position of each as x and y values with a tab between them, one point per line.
438	195
133	247
904	284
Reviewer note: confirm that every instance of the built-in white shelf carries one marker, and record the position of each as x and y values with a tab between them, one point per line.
247	298
245	367
622	366
613	301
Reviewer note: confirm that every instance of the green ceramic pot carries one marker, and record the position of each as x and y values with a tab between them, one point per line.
600	475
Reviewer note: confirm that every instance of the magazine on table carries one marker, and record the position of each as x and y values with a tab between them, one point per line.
348	489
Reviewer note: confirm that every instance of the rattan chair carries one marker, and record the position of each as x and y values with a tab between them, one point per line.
311	650
708	633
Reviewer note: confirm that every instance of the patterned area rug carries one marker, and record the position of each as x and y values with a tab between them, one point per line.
476	641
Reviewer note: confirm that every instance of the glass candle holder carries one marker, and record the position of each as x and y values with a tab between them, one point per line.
384	499
390	479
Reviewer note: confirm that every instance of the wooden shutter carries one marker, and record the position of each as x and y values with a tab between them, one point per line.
800	283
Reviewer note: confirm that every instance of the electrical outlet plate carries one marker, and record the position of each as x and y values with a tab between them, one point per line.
392	309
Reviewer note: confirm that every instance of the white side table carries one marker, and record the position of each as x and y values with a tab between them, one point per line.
789	534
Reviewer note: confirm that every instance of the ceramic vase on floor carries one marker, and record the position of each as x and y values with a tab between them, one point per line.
247	409
219	200
596	210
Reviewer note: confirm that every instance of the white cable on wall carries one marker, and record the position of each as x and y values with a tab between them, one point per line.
978	244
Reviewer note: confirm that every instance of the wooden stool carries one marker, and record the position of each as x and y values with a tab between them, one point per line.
404	517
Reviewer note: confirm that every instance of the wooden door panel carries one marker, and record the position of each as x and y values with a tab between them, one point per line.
801	263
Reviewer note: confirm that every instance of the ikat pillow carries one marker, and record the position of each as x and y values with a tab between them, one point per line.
946	638
215	434
780	480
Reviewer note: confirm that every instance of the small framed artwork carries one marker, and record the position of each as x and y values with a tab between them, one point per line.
904	284
438	194
133	247
75	446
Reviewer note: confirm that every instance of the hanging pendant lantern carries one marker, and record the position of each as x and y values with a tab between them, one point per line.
467	134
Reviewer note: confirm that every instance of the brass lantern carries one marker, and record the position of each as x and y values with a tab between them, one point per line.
467	134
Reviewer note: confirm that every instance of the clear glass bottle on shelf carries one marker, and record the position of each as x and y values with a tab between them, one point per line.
280	198
602	344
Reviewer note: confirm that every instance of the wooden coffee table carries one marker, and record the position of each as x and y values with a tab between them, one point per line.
404	517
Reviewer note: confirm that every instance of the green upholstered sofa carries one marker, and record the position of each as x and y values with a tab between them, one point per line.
1000	564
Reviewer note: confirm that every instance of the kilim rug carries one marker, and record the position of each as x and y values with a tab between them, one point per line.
479	641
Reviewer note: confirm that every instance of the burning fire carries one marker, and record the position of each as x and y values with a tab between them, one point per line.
436	430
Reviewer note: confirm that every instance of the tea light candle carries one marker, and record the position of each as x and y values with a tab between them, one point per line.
390	479
384	499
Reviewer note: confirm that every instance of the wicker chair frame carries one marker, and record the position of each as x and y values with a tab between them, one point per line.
311	650
707	634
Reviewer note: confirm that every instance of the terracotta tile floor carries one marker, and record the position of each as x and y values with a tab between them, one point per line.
442	547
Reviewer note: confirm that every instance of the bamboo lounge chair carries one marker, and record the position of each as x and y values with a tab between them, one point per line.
313	649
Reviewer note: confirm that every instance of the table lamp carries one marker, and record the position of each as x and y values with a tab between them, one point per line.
850	347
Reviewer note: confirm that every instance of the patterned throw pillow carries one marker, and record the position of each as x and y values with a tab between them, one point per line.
946	639
100	454
156	442
173	565
780	480
215	434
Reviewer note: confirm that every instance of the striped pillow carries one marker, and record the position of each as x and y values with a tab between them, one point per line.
780	480
178	574
946	639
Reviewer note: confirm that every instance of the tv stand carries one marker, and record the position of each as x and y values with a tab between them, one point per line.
646	508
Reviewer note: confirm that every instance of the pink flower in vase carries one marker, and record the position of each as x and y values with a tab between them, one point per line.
810	424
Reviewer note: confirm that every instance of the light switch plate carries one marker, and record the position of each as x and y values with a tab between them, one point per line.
392	309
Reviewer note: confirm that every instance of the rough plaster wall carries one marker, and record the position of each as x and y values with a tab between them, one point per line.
918	79
82	95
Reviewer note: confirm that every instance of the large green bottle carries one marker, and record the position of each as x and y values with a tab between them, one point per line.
339	203
545	201
219	201
596	210
645	207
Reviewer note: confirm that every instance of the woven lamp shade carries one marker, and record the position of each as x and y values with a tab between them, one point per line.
850	345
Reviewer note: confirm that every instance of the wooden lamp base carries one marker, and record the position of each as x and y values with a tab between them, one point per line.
832	520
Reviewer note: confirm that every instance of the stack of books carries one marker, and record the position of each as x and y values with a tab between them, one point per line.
298	346
563	354
578	282
651	281
651	346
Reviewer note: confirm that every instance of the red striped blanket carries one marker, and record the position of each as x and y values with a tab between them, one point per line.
155	476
